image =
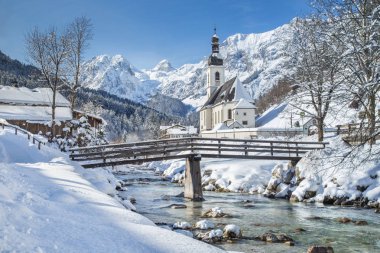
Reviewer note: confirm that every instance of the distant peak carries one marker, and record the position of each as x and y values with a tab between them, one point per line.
163	65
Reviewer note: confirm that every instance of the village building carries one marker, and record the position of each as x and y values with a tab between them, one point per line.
31	110
228	105
177	131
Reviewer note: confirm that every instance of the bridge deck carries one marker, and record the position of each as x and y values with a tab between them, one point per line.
147	151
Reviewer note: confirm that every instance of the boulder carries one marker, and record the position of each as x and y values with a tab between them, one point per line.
320	249
344	220
289	243
231	231
215	235
361	223
299	230
310	194
275	238
204	224
178	206
181	225
215	212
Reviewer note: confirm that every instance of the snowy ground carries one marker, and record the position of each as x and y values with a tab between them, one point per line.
49	204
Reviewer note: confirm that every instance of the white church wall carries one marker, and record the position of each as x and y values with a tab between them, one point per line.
247	116
252	133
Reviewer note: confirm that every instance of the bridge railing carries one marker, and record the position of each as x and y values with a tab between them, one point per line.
114	154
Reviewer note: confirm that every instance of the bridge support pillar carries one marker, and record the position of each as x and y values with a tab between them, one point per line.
193	180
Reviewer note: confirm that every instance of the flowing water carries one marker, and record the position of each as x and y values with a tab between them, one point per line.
154	195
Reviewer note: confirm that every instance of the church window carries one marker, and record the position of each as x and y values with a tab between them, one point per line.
245	114
245	122
217	76
229	114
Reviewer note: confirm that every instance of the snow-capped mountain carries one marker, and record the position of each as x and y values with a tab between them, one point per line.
259	61
118	77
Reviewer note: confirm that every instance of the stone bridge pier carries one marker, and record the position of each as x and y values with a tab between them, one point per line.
193	178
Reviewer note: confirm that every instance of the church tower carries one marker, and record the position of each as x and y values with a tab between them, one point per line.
215	70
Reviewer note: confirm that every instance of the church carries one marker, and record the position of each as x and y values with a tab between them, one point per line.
228	105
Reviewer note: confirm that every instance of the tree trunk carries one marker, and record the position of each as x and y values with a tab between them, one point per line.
53	106
371	116
320	129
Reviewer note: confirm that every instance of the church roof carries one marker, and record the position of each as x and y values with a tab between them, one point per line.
244	104
232	90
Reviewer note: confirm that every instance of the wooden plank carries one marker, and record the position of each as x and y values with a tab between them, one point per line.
283	158
133	161
106	152
131	144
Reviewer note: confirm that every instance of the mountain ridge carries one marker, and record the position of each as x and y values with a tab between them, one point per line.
259	60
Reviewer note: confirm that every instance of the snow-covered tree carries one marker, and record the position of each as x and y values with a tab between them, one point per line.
49	51
317	69
357	30
79	34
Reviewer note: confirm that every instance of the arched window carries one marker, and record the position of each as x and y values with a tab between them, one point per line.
217	76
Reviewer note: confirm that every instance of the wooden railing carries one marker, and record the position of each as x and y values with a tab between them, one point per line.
146	151
18	129
356	132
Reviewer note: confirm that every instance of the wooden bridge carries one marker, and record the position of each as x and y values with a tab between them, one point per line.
191	149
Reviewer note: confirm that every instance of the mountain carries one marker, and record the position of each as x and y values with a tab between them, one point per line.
117	76
259	61
14	72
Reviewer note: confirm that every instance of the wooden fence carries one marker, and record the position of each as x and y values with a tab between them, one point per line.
18	129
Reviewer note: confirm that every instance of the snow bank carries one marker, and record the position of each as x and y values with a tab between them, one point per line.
46	205
223	174
328	176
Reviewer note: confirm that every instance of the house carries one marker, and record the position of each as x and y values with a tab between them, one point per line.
177	131
95	121
30	109
227	102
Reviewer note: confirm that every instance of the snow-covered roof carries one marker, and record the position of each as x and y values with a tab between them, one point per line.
33	113
232	90
235	124
26	96
244	104
91	115
220	126
179	129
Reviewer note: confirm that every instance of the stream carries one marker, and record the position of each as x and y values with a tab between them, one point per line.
255	215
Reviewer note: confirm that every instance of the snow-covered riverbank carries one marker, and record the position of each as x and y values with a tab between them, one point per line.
339	174
49	204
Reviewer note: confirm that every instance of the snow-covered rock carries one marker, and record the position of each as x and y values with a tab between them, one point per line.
204	224
232	231
182	225
330	177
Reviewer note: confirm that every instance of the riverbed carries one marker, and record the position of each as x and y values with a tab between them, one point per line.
255	215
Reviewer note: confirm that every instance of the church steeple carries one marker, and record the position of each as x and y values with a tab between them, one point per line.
215	70
215	59
215	43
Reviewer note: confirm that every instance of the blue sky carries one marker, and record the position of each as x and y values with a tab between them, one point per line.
146	31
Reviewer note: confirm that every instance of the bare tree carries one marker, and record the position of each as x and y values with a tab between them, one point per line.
317	66
80	33
357	30
49	50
